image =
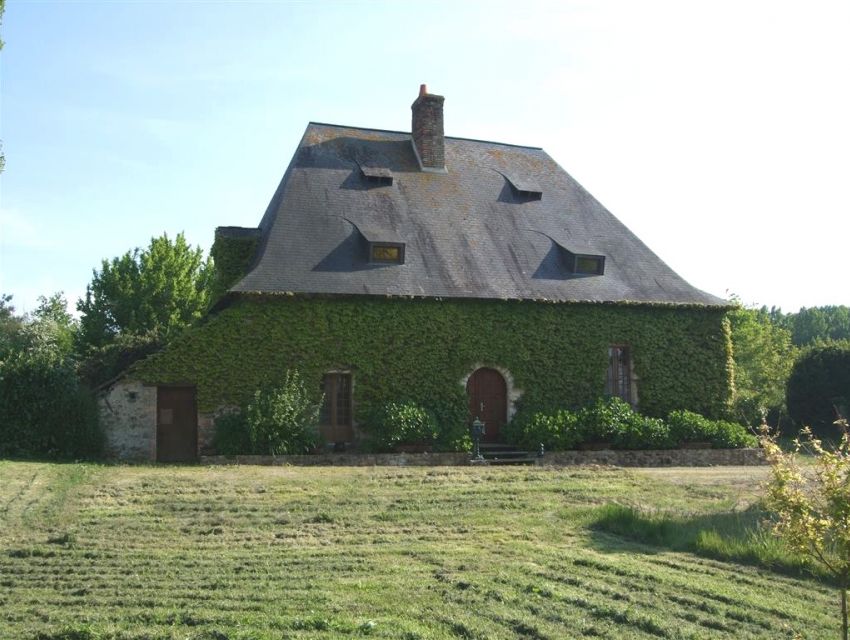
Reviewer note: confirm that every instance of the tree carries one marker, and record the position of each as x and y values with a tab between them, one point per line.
820	324
50	327
54	324
153	293
10	325
763	355
813	508
820	380
44	411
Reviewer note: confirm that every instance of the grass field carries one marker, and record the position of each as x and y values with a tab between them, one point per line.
91	552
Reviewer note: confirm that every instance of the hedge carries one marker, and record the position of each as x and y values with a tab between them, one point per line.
819	383
613	422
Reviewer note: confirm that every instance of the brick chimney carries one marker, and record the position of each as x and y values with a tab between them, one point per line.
427	131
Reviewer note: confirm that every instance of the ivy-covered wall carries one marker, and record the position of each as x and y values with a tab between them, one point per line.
421	350
232	252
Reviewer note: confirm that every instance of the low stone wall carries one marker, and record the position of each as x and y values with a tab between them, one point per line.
649	458
349	460
657	458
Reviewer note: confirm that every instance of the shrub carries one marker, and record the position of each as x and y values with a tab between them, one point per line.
451	416
811	506
686	426
555	431
231	434
282	420
44	411
819	381
401	423
613	420
642	432
730	435
600	421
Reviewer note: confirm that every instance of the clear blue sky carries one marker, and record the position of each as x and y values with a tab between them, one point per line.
719	132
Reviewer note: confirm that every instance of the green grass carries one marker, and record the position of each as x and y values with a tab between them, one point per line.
739	536
93	552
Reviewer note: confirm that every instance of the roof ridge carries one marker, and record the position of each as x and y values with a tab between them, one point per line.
407	133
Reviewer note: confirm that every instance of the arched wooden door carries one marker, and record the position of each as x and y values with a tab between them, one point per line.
488	401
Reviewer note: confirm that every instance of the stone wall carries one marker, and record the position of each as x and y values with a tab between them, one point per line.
128	417
349	460
206	432
648	458
657	458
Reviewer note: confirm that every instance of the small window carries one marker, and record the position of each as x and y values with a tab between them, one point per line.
589	265
618	382
391	253
335	421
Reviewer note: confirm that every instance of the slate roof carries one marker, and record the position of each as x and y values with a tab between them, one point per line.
473	232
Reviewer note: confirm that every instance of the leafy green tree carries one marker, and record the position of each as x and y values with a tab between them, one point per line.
820	324
50	327
10	325
813	507
155	292
819	384
763	355
55	324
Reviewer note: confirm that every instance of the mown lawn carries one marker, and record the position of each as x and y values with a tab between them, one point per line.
91	552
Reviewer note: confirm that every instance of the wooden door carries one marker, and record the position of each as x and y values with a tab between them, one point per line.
176	425
335	419
488	401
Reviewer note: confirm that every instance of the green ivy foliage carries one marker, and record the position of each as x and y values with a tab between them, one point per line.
422	350
232	255
44	411
231	437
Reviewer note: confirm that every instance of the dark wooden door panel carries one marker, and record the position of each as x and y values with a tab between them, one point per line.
335	420
176	425
488	400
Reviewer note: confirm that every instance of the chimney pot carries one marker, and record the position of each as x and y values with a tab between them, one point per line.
427	131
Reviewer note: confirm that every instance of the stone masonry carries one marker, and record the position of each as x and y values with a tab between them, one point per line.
128	416
645	458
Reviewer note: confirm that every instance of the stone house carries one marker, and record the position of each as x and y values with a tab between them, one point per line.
473	277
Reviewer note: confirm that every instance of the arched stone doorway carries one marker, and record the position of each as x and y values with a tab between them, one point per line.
488	400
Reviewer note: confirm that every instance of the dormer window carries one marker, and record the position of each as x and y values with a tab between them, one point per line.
524	188
589	265
380	243
377	176
392	253
579	258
